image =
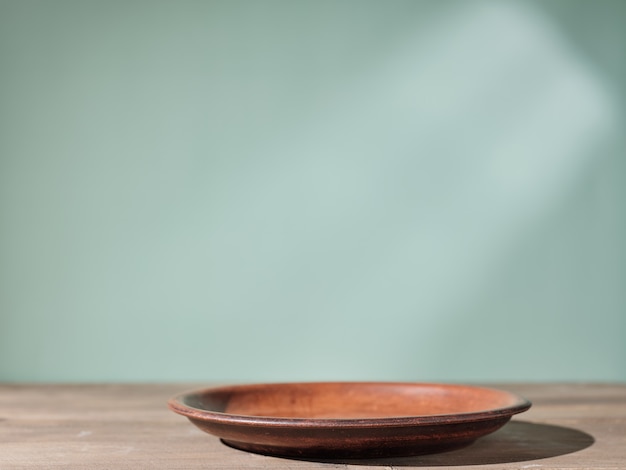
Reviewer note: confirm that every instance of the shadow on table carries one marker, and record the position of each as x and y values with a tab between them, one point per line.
518	441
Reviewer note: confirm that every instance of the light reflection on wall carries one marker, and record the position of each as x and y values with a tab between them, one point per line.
368	200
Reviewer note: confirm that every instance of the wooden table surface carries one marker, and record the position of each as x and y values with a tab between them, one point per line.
117	426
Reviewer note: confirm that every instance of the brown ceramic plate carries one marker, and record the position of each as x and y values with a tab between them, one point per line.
348	419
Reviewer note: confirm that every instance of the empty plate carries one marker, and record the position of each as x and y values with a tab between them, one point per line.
348	419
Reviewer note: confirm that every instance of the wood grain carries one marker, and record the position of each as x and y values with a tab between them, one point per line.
124	426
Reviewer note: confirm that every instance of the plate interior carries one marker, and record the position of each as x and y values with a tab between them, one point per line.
349	400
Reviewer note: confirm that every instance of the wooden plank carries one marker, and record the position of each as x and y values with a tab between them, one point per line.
123	426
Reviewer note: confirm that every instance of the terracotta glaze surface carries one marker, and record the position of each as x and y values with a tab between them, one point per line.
348	419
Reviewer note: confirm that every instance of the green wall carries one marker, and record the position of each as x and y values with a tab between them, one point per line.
308	190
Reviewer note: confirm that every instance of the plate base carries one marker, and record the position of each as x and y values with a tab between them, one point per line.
369	452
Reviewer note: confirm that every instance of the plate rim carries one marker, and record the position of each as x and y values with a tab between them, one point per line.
177	405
